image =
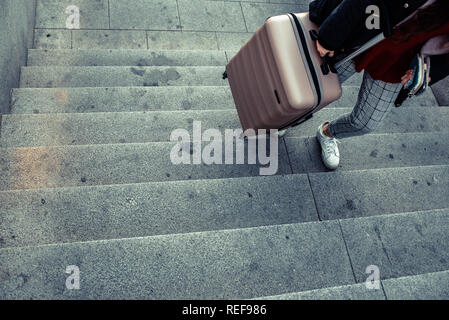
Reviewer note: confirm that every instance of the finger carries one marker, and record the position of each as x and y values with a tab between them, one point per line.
331	53
406	80
407	76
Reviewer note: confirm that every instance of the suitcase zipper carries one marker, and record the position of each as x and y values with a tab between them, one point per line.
309	60
311	67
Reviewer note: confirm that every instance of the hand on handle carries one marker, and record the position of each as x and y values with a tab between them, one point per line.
323	52
407	77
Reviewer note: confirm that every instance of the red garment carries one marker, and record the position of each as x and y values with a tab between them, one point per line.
388	61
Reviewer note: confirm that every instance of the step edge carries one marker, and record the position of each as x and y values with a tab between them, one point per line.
268	298
173	235
88	114
354	171
150	143
31	68
225	231
150	183
116	50
130	87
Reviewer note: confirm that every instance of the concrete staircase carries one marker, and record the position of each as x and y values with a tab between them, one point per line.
86	180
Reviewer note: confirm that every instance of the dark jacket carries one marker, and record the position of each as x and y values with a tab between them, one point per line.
342	25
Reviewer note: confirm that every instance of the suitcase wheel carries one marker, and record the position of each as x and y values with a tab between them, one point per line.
225	75
282	133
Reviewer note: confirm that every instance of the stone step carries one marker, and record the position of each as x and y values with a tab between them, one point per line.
120	99
32	130
45	216
42	216
349	292
243	263
186	15
428	286
229	264
48	216
54	77
57	77
65	166
138	40
373	151
128	99
69	166
399	245
349	194
50	167
141	58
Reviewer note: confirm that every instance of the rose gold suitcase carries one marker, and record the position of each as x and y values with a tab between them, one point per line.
277	79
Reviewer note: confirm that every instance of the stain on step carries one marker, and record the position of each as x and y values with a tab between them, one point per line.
160	60
187	105
138	72
350	205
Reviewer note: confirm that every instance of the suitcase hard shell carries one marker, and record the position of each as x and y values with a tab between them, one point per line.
276	78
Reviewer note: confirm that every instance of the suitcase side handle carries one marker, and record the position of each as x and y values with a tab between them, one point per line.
328	62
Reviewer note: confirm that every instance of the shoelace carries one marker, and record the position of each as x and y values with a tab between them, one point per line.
332	145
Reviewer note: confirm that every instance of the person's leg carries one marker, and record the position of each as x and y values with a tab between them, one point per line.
375	101
345	71
330	152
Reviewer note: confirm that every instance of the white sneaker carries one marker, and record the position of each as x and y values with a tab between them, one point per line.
329	149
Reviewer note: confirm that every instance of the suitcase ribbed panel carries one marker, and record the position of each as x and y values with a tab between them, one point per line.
254	72
274	83
237	80
266	98
253	94
269	81
240	72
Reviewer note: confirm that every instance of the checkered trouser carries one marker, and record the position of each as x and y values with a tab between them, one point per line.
375	101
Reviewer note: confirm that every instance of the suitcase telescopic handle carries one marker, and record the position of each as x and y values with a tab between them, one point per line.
328	62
